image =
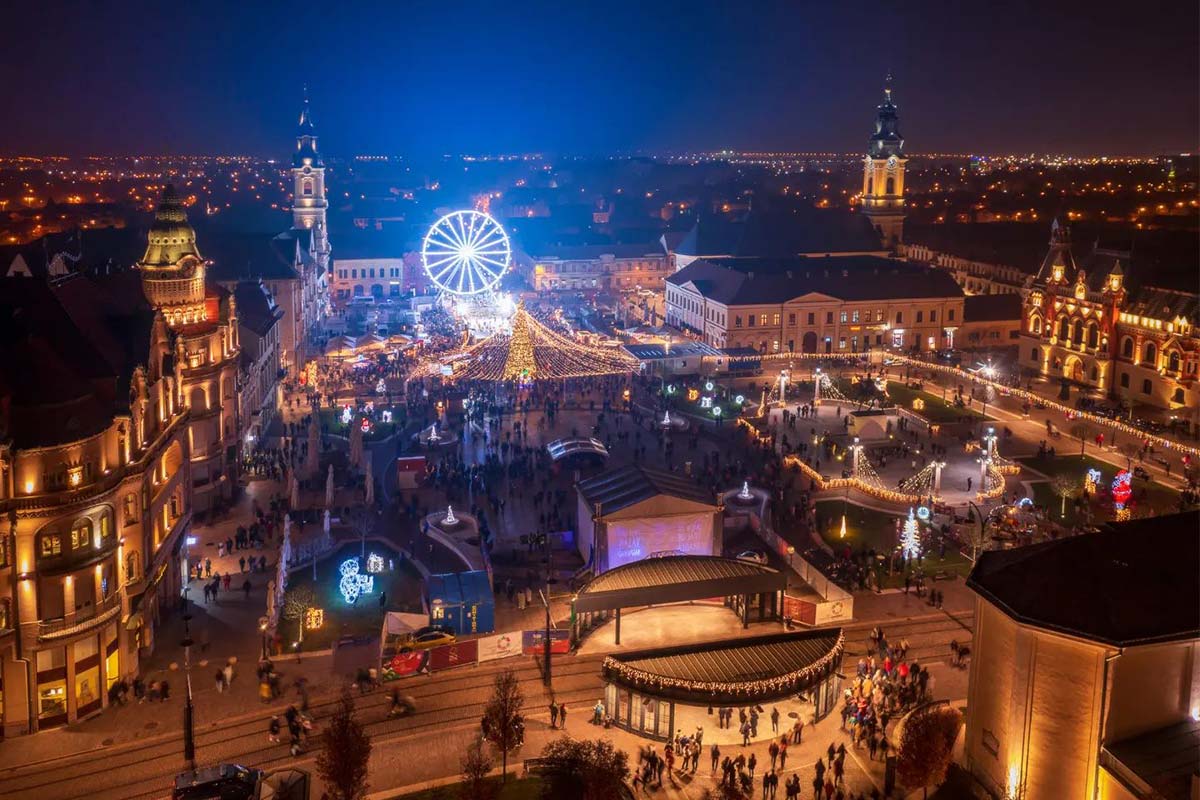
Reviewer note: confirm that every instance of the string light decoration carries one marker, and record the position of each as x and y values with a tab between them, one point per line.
910	537
534	352
794	681
921	483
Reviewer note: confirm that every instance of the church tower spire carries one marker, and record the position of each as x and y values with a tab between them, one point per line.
172	269
308	182
883	172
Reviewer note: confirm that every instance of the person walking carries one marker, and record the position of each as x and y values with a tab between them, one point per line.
751	763
715	753
774	720
773	751
766	784
553	715
562	715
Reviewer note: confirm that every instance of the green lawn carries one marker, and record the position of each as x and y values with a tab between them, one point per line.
365	617
935	410
1159	498
515	789
867	528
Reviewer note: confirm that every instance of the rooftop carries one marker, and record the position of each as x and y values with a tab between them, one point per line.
991	307
1133	583
781	232
1165	759
752	281
735	670
630	485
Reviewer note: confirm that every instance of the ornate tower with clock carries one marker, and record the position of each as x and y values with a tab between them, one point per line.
883	173
308	183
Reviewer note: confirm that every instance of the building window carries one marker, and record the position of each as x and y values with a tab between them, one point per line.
131	568
1033	355
920	316
791	319
950	315
1173	361
1147	387
933	316
1124	380
890	186
1151	358
841	343
750	320
812	319
897	338
49	545
828	317
1093	335
775	320
307	188
5	615
899	317
1176	397
737	321
1127	347
844	317
854	316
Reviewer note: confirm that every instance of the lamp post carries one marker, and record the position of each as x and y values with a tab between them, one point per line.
189	719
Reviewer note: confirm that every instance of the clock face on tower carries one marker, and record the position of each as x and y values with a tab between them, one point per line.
891	162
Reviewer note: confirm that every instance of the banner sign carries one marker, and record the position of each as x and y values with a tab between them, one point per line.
402	665
533	642
458	654
500	646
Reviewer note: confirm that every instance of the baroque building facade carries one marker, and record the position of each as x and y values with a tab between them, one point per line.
1101	329
203	320
95	491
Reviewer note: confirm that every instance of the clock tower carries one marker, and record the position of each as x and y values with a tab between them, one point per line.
883	173
308	183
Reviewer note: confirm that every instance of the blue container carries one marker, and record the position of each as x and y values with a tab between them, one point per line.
462	602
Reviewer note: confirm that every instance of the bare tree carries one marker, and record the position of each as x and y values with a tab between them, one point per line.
589	770
476	764
296	603
503	726
1065	488
345	751
1130	450
1081	431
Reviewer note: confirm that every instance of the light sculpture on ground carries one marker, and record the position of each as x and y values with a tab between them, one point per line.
910	537
450	519
353	583
745	494
466	253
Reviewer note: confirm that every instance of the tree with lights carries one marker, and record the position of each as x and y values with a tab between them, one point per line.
910	538
520	364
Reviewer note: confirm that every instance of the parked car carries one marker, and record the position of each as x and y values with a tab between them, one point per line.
428	641
221	782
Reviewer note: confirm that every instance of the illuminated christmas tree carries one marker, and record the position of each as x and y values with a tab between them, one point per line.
910	537
520	365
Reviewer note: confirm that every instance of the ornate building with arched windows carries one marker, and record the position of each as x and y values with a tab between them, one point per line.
1101	327
95	485
205	351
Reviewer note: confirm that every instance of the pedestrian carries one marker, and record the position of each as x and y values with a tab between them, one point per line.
766	783
562	715
165	689
773	751
751	763
774	720
220	680
246	587
553	715
273	730
242	563
715	752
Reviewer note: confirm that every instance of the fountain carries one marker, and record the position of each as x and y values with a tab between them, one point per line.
745	494
666	421
450	520
433	434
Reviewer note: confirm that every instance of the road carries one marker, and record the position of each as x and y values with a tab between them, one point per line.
408	750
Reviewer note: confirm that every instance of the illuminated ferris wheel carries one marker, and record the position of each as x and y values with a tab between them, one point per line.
466	252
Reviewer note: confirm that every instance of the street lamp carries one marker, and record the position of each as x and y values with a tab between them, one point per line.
189	713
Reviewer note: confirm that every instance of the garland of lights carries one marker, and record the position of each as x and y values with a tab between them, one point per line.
534	352
920	484
792	681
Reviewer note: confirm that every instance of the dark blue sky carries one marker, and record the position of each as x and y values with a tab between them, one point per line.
224	76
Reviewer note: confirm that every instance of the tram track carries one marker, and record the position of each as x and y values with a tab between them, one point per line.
246	741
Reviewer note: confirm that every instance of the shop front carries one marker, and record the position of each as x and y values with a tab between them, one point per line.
656	692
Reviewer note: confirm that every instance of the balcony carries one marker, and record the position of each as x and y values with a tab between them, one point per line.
81	621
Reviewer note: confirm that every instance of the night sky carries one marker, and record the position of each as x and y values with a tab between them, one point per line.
219	77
